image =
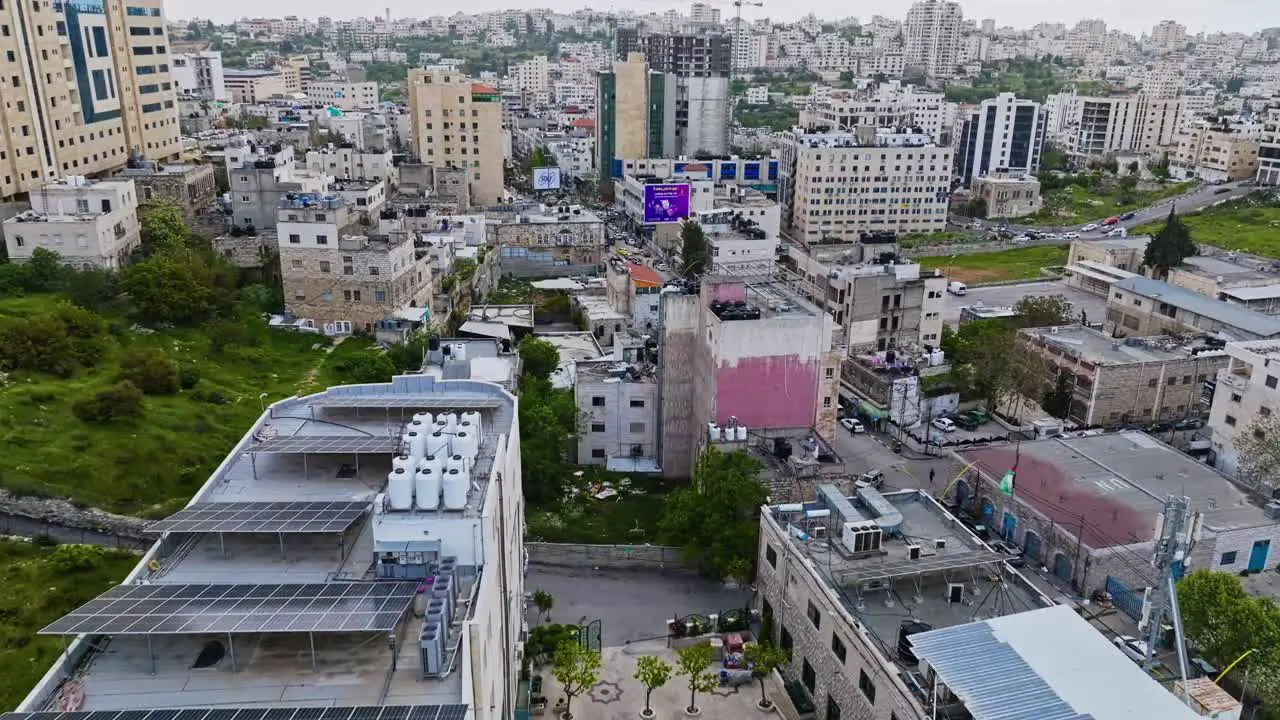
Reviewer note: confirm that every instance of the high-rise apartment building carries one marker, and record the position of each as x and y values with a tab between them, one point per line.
932	34
834	185
199	76
1169	35
1002	133
1087	126
1269	149
635	113
87	84
457	123
699	64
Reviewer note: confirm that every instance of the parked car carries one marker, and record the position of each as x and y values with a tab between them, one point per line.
957	288
1021	240
1110	221
1006	547
1132	647
1089	228
870	478
853	425
1129	215
1072	236
965	422
1189	424
944	424
979	415
662	267
1220	191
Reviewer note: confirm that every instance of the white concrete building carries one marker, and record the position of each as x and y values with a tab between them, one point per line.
758	95
618	402
932	34
1269	149
89	223
199	75
342	94
1248	389
350	163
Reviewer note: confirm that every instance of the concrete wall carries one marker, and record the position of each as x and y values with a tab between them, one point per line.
617	557
676	384
767	370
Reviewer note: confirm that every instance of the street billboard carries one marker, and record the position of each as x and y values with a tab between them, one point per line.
666	203
546	178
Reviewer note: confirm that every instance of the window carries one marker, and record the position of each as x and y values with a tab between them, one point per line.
1235	397
379	296
597	453
324	266
814	615
18	239
295	239
1152	382
1228	558
1271	381
785	641
597	401
322	239
833	708
597	427
1230	420
867	687
635	427
297	264
808	676
826	402
771	556
637	403
373	269
829	373
837	647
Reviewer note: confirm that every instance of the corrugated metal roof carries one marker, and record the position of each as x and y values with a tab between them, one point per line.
1046	664
1264	326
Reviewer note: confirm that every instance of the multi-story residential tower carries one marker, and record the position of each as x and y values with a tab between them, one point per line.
700	64
932	33
1269	149
457	123
88	83
1003	133
635	113
199	75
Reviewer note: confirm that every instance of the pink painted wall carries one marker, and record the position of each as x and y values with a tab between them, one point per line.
728	292
768	392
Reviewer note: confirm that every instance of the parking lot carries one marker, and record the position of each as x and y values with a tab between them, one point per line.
1009	295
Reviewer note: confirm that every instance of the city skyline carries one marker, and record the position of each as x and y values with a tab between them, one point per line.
1228	16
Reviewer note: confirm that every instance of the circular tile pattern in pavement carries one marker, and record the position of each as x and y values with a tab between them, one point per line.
605	693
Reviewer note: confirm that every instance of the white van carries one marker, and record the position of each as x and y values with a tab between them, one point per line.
957	288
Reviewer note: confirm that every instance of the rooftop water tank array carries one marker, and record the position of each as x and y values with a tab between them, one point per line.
427	487
471	422
400	489
467	445
414	443
438	443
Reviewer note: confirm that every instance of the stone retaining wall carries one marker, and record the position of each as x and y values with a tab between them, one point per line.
617	557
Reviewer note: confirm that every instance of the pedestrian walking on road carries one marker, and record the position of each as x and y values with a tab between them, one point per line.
930	476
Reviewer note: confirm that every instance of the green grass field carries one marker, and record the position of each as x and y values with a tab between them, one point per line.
1075	205
37	586
948	237
1017	264
153	464
1245	225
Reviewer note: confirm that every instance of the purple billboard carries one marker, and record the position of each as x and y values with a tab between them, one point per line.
666	203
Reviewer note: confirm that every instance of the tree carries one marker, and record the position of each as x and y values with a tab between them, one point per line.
163	227
368	366
538	357
182	286
715	520
695	253
981	359
1044	311
1259	450
763	659
1169	247
577	669
692	664
1224	622
548	428
150	371
1057	402
121	400
976	208
544	601
653	673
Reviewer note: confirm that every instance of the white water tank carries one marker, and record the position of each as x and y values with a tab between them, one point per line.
460	463
414	443
400	489
466	444
408	463
450	423
740	433
424	418
427	486
458	350
471	420
437	444
456	484
714	431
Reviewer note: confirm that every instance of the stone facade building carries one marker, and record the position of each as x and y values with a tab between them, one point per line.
551	241
191	187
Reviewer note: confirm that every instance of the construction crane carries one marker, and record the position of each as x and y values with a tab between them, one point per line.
737	10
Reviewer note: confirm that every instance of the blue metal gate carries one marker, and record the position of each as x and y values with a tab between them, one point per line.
1258	555
988	514
1031	545
1062	567
1124	598
1008	527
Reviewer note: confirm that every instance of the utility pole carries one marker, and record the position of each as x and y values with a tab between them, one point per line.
1177	530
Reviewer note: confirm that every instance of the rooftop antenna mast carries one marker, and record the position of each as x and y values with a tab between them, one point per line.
1177	530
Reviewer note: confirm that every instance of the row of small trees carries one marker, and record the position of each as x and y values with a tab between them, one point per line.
577	669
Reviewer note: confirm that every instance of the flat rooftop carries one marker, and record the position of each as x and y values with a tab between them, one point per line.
1119	482
1043	664
331	449
1227	270
516	316
885	588
1100	348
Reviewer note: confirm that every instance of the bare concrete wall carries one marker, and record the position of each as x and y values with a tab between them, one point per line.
617	557
679	318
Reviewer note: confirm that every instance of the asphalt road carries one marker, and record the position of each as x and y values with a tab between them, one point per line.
1199	198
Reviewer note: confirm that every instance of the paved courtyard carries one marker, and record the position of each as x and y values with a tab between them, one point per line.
631	604
619	696
1009	295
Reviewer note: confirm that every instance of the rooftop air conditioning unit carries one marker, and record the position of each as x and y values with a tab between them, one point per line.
940	544
913	552
955	593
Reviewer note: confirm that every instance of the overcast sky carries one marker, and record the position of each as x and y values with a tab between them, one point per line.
1133	16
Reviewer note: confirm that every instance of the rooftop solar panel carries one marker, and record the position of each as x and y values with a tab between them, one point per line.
327	444
369	712
264	517
240	609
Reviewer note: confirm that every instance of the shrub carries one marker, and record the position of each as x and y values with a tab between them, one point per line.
151	372
188	377
122	400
